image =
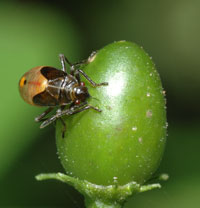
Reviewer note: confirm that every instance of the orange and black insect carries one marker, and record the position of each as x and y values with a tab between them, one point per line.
51	87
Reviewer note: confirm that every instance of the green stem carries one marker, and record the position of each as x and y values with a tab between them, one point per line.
98	196
100	204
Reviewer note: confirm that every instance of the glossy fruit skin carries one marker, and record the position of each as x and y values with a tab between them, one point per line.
125	142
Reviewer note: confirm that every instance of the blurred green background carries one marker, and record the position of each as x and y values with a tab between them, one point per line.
34	32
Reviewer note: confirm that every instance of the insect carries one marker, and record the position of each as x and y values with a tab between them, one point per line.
55	88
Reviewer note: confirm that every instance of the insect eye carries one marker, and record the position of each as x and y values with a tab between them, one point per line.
23	82
82	84
77	102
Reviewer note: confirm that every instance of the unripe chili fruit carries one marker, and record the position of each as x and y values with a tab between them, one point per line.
124	142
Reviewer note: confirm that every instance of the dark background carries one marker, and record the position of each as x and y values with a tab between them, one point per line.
33	33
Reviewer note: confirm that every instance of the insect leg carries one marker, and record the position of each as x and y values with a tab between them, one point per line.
62	61
74	111
42	115
94	84
64	58
85	61
64	127
63	123
73	68
71	111
77	75
48	121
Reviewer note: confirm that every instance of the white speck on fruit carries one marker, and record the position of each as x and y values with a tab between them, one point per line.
164	92
162	139
151	74
134	128
115	179
140	139
148	94
149	114
165	126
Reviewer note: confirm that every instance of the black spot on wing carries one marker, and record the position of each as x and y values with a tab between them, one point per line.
51	73
45	99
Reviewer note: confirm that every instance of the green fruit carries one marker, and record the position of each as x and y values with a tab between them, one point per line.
124	142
